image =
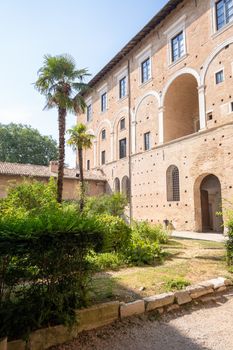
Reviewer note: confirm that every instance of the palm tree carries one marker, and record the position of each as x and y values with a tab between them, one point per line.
80	140
62	85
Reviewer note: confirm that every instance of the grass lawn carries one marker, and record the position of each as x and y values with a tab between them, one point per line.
186	261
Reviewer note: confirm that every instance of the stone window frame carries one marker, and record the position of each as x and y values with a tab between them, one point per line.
121	74
103	157
147	142
141	57
174	30
173	183
122	154
215	30
89	104
121	122
223	75
103	90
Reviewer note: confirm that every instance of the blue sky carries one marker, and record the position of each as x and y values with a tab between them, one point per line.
92	31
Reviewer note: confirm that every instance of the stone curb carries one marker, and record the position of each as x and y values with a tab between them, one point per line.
103	314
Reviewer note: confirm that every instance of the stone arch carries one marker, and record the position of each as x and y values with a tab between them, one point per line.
173	184
181	106
146	120
149	93
207	201
125	186
208	61
183	71
123	111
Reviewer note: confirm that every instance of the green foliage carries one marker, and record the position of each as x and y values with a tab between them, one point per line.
176	284
142	251
106	261
229	243
113	204
23	144
44	269
152	233
117	233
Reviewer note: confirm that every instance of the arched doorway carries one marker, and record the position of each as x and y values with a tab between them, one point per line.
208	204
181	108
116	185
125	187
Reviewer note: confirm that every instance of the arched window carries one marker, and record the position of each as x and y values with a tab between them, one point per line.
125	186
173	184
116	185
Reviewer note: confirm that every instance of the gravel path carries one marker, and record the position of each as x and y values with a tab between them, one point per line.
208	326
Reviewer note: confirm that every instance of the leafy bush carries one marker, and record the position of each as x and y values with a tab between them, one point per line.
116	232
44	270
229	243
142	251
153	233
106	261
176	284
113	204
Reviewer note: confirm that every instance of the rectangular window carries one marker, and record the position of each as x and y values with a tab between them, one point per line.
103	134
224	13
89	113
147	141
104	102
103	157
177	44
231	106
122	87
122	124
145	70
122	148
219	77
88	164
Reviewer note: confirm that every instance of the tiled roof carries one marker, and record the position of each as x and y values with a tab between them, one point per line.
44	171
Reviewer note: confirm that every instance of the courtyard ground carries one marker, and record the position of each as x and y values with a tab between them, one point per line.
198	327
185	260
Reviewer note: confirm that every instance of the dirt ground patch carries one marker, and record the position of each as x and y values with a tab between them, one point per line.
188	260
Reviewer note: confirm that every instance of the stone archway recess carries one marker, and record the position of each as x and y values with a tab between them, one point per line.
207	203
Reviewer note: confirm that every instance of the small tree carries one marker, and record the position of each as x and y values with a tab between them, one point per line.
62	84
79	140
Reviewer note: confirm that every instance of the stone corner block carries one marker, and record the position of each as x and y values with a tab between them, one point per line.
182	297
214	283
97	316
197	291
158	301
135	308
47	337
16	345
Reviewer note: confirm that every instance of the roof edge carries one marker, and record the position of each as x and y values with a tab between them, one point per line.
151	25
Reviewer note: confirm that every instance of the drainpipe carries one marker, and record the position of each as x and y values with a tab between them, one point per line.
130	145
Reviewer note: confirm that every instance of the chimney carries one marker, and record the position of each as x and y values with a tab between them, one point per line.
53	166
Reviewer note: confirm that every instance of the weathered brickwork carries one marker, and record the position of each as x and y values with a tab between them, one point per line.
188	115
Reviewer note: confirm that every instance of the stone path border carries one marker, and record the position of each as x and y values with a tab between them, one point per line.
104	314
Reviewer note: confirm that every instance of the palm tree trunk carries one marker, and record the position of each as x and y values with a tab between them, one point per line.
82	187
62	128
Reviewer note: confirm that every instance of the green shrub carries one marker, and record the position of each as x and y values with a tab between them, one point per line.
153	233
106	261
176	284
113	204
229	243
44	269
142	251
117	233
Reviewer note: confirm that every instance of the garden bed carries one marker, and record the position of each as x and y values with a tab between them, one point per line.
185	262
